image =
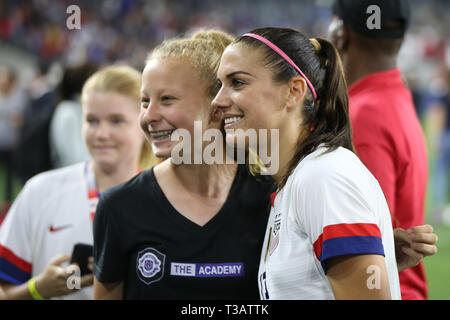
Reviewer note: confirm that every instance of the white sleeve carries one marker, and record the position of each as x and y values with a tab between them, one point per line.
335	212
15	238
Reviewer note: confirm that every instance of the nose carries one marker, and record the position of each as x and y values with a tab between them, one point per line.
151	113
103	131
220	103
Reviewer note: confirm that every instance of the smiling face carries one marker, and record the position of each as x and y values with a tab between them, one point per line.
172	97
111	129
249	96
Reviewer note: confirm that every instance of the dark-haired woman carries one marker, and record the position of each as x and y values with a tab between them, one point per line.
329	233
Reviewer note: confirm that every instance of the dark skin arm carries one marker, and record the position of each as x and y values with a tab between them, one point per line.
414	244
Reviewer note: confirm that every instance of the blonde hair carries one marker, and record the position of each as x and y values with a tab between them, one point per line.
126	81
203	50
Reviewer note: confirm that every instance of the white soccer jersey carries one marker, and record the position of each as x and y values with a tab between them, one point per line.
50	215
330	206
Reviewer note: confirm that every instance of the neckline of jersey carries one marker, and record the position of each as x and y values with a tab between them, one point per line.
185	222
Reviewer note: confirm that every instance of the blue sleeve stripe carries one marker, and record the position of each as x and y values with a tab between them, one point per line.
350	245
9	272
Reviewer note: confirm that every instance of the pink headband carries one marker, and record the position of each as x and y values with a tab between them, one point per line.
285	57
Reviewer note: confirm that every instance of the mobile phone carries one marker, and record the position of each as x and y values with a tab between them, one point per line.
80	254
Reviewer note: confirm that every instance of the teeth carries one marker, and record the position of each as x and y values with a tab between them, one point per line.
161	134
231	120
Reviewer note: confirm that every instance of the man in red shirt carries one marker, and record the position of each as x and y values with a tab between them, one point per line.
386	130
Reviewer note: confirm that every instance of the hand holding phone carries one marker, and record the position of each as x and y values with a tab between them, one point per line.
80	256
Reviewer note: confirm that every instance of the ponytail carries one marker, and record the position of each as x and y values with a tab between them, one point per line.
333	117
328	121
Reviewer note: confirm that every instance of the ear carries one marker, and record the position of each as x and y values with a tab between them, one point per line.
297	91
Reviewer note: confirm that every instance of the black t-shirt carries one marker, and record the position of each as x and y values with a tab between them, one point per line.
140	238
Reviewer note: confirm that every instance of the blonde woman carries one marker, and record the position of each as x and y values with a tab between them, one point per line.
55	209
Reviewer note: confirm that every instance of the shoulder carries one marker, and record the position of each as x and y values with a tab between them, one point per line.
333	187
262	181
48	192
331	170
254	190
118	204
62	178
381	109
55	189
370	112
138	186
323	162
67	110
67	114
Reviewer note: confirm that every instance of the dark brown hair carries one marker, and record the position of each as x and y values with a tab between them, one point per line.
328	115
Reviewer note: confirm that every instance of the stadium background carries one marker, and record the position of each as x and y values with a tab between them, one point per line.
34	34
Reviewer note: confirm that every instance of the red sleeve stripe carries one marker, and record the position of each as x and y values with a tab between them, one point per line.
345	230
8	255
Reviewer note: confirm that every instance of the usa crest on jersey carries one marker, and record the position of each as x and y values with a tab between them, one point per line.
275	233
150	265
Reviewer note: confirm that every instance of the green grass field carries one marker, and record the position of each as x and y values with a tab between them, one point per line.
437	267
16	185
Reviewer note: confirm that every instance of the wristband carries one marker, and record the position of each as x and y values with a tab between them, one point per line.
33	291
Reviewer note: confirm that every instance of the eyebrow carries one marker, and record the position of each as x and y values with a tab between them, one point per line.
112	115
237	72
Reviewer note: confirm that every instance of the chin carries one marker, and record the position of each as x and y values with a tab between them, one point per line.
161	152
106	166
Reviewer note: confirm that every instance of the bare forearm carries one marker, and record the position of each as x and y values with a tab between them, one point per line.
10	291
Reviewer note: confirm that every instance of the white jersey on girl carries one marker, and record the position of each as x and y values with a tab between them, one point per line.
51	214
330	206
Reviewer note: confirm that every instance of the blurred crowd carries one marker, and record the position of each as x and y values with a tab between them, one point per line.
124	31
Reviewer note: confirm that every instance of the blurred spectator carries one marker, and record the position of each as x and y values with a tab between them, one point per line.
66	142
439	106
12	103
32	154
387	134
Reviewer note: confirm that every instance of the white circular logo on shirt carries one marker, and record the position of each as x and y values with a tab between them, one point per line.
150	265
